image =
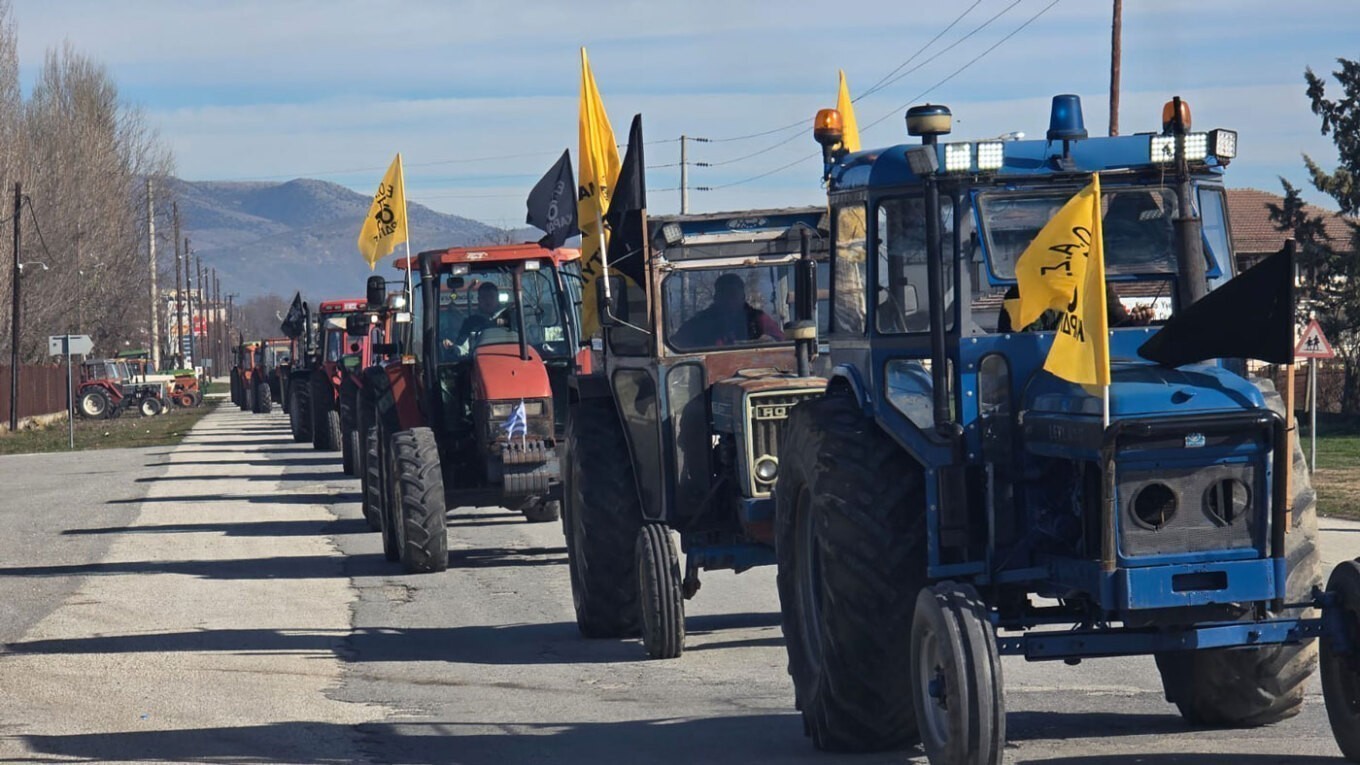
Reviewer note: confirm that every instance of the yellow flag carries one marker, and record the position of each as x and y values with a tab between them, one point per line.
847	109
1064	269
599	156
385	226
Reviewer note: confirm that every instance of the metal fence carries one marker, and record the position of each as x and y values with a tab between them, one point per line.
42	390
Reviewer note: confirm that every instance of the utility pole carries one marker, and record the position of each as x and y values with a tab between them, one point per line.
14	318
189	300
179	290
155	293
217	321
1115	28
203	346
684	176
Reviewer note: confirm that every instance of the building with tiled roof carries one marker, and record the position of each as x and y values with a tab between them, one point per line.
1254	234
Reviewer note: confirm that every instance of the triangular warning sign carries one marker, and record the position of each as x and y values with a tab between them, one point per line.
1313	344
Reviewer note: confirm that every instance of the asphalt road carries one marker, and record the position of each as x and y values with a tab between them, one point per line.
246	615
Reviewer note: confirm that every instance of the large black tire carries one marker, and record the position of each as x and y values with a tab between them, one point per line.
334	437
300	413
418	498
264	399
660	595
601	518
378	492
349	450
851	547
320	401
1247	687
237	395
1341	672
150	407
247	398
94	404
364	462
956	678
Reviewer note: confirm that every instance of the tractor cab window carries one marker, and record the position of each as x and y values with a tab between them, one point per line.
479	308
721	307
1136	223
335	339
902	299
849	291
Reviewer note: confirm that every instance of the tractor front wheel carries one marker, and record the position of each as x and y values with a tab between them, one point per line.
94	404
659	591
418	501
264	399
851	552
542	511
1341	664
364	459
377	494
150	407
601	521
956	678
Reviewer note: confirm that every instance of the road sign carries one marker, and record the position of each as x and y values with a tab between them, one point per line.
80	345
1313	344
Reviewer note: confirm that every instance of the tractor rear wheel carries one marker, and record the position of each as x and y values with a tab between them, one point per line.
333	438
852	559
247	397
661	598
1247	687
150	407
299	412
364	460
377	497
264	399
1341	671
418	499
601	518
94	404
349	449
956	678
319	401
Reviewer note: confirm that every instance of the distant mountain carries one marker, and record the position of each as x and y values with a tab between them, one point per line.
279	237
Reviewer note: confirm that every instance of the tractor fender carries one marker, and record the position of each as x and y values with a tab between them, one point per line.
847	377
395	393
499	374
586	386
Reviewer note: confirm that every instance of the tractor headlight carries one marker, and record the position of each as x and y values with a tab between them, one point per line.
504	409
766	469
958	157
1223	145
991	155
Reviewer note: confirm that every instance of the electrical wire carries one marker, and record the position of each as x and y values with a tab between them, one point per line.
883	81
28	202
939	53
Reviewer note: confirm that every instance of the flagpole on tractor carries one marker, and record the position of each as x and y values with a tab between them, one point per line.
406	221
1289	427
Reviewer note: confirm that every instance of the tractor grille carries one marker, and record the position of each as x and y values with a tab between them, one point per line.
765	417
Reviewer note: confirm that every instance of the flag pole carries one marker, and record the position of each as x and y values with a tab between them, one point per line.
406	221
1289	426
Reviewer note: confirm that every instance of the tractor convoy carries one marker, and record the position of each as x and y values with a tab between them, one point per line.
840	392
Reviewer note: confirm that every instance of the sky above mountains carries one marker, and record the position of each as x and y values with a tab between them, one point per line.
480	97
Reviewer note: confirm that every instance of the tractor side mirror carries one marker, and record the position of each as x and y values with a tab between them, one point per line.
357	325
376	293
617	313
386	349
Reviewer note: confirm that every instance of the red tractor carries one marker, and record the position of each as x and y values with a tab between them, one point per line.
475	402
338	351
108	387
250	384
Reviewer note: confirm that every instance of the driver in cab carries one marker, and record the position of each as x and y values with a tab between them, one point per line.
488	305
729	320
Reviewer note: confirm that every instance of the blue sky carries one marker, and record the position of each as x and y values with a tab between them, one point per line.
333	88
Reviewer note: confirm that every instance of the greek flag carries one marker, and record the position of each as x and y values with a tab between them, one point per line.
518	421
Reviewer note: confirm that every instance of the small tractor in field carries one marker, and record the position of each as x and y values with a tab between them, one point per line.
680	428
473	405
108	387
948	501
184	389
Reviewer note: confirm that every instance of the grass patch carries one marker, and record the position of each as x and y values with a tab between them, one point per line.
128	431
1337	473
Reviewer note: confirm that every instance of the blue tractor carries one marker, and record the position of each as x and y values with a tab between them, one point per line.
946	501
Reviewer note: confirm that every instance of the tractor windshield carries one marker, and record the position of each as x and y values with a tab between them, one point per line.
719	307
1136	222
478	308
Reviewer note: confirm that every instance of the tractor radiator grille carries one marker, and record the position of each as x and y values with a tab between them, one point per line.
765	417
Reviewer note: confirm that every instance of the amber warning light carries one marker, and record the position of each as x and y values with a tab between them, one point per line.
827	128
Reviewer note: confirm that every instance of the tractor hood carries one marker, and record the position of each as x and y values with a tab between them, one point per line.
498	373
1140	389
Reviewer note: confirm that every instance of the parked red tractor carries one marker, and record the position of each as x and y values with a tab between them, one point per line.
334	346
476	404
107	388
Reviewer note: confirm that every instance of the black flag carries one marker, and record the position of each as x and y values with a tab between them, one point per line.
552	204
627	206
1250	317
295	321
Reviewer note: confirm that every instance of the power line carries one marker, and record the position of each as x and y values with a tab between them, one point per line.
28	202
758	177
946	49
883	80
974	60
